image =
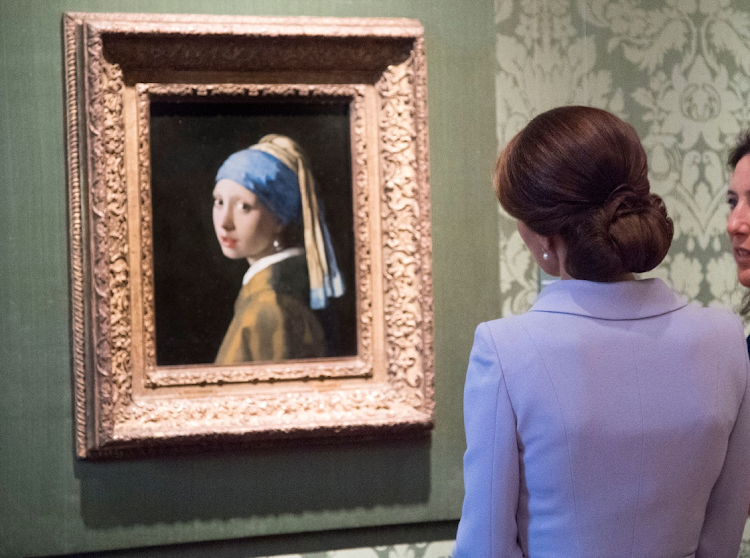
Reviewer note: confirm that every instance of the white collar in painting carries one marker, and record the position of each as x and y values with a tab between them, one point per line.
268	261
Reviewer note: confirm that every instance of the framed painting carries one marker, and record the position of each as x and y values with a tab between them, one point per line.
249	230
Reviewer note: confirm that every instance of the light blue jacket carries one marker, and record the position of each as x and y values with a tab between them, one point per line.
611	420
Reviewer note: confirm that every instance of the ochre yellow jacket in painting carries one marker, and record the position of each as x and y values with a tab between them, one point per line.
272	318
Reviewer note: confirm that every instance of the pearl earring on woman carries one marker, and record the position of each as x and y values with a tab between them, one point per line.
545	256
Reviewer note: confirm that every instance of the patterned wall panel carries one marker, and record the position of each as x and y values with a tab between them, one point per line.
678	71
438	549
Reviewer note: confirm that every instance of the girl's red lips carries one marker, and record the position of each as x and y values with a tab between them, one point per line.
228	242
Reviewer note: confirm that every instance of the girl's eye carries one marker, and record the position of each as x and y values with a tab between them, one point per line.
218	202
732	201
246	207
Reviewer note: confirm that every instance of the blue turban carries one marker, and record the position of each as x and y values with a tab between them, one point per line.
275	184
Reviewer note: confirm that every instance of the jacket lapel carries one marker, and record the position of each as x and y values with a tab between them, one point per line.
625	300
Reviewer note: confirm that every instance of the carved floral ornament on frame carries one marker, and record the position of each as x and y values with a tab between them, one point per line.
678	71
155	105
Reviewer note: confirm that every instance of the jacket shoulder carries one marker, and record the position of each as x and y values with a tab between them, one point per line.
712	321
506	333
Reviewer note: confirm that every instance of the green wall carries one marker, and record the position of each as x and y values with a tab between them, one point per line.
287	500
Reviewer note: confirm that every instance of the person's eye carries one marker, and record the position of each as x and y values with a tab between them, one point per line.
732	201
218	202
245	207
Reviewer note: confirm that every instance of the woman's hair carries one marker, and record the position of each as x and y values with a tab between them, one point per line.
740	149
581	173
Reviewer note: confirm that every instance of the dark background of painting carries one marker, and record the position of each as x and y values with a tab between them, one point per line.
195	284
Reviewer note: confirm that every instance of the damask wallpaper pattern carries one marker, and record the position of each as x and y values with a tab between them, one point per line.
678	71
438	549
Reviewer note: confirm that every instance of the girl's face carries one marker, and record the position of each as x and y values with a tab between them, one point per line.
738	223
244	227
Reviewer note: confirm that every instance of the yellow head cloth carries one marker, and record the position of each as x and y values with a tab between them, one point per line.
325	279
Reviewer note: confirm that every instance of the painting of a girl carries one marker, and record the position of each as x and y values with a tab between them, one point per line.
266	211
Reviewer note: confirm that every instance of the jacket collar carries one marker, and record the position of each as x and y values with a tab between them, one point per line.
625	300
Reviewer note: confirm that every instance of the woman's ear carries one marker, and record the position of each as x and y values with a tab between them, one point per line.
548	251
554	264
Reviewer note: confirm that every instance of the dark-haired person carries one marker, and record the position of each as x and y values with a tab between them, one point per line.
612	419
738	223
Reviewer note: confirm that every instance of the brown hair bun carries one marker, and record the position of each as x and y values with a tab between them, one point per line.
581	173
630	233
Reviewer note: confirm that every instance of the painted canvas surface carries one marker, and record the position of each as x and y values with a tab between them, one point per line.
195	284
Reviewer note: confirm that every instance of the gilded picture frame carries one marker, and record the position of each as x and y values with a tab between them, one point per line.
118	67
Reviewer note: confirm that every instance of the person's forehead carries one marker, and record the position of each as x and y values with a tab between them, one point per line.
741	176
229	187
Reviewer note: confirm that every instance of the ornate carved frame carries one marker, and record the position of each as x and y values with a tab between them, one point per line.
115	64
